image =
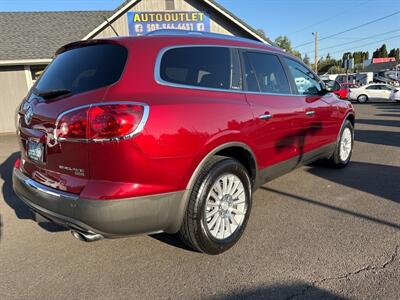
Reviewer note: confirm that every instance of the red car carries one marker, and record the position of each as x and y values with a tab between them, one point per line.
171	132
335	87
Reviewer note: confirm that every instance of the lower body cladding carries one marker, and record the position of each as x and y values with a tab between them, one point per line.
91	220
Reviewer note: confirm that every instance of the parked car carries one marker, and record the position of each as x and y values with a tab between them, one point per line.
349	85
372	91
395	95
336	88
171	132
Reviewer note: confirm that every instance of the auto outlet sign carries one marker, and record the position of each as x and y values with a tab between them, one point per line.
143	22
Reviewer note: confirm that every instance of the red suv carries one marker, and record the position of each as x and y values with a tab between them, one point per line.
171	132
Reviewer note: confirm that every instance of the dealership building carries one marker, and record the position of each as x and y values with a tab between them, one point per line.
30	39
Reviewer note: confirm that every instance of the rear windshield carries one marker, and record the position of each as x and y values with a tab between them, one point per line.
83	69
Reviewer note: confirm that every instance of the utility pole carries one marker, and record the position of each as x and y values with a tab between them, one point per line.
315	34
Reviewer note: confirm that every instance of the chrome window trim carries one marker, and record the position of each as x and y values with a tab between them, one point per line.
146	111
159	80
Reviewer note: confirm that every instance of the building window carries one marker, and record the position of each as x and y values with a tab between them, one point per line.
170	4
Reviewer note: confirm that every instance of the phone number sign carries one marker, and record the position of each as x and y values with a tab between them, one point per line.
143	22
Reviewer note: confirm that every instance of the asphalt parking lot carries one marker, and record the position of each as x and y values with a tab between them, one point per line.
314	233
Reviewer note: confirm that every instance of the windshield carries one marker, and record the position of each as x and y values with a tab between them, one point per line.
82	69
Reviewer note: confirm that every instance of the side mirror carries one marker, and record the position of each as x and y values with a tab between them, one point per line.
324	89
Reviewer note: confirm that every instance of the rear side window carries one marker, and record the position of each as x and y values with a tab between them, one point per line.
208	67
264	73
83	69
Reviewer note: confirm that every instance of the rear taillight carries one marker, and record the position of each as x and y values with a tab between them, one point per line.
102	122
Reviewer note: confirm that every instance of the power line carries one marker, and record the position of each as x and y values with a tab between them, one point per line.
356	41
327	19
350	29
374	42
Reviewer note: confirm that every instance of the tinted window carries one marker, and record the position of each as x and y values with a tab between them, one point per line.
373	87
306	82
332	85
208	67
264	72
83	69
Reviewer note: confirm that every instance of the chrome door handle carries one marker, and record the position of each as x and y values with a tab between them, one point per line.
265	116
310	113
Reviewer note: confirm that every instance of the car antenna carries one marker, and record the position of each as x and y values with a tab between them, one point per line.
109	24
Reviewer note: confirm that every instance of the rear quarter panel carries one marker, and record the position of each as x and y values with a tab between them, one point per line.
183	126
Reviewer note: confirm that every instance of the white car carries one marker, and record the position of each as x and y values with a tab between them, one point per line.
395	95
371	91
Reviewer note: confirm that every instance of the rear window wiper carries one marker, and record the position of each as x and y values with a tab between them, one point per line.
53	93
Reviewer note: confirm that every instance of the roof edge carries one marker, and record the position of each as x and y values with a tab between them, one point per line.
23	62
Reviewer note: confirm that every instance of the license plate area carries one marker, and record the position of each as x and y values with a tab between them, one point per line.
35	151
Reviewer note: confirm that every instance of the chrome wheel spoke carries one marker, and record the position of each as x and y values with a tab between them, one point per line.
214	195
237	212
231	182
217	188
215	231
211	213
233	220
239	191
222	228
213	221
224	184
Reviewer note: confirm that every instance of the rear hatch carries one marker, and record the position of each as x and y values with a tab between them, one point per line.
80	75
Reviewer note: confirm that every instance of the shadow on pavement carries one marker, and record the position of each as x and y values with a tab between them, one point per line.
281	291
379	137
328	206
171	239
376	179
21	210
388	115
392	123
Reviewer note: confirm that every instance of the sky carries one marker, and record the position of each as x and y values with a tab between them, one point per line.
295	18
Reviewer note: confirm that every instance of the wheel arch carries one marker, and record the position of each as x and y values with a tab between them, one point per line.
237	150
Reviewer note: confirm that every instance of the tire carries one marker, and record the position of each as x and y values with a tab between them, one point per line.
362	98
344	147
205	228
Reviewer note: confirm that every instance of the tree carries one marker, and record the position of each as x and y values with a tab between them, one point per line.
261	32
284	43
395	52
336	70
380	52
306	59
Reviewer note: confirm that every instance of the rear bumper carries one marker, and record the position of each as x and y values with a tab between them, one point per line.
110	218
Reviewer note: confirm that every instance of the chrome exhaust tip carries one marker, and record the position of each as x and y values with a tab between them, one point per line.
86	236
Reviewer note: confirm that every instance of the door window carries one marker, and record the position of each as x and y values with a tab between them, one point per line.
264	73
386	88
306	82
208	67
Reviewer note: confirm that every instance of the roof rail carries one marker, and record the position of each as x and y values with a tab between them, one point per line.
201	33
